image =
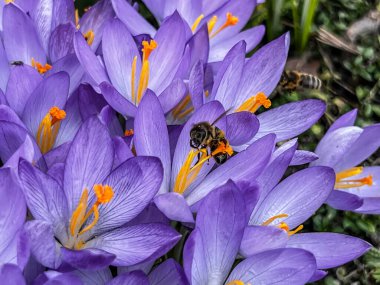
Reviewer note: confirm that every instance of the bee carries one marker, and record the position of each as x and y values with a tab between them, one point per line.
204	135
17	63
291	80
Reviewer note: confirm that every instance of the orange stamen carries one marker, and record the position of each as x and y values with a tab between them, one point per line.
230	21
8	1
341	181
42	69
196	22
129	133
77	19
148	47
211	23
254	103
48	129
272	219
223	148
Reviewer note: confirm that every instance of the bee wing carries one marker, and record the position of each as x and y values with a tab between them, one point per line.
221	116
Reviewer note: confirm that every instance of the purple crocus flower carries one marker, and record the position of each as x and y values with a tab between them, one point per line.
280	211
344	148
83	228
40	110
131	73
221	20
183	185
213	246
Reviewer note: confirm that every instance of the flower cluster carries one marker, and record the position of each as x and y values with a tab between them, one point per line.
135	154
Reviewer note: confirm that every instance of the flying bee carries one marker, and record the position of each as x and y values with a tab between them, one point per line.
204	135
291	80
17	63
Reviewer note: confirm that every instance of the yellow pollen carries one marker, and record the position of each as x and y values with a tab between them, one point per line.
211	23
77	19
230	21
8	1
48	129
196	22
223	148
254	103
341	181
147	49
104	194
129	133
237	282
42	69
180	110
187	173
89	36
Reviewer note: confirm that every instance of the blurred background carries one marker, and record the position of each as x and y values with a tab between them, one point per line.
338	41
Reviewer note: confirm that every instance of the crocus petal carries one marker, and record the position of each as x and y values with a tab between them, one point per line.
241	127
119	50
196	85
88	59
52	91
88	166
57	154
174	206
245	165
346	120
221	223
278	266
44	196
109	118
131	18
27	151
276	168
364	146
94	277
252	37
130	278
290	120
42	15
135	183
117	101
330	249
370	206
151	134
90	102
168	272
26	45
4	64
199	46
43	245
12	211
229	74
22	81
335	145
12	275
87	259
292	196
94	20
302	157
163	64
61	41
269	237
172	95
318	275
122	151
134	244
151	214
263	70
342	200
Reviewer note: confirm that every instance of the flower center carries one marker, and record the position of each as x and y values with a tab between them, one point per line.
341	181
89	36
231	20
8	1
184	107
147	49
48	129
104	195
189	171
255	102
284	226
42	69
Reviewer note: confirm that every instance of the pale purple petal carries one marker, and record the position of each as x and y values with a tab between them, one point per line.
290	120
130	278
196	85
330	249
168	272
342	200
151	134
292	197
117	101
302	157
241	127
278	266
172	95
174	206
12	275
346	120
88	258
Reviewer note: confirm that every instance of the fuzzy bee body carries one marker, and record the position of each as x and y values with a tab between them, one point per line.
207	136
291	80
